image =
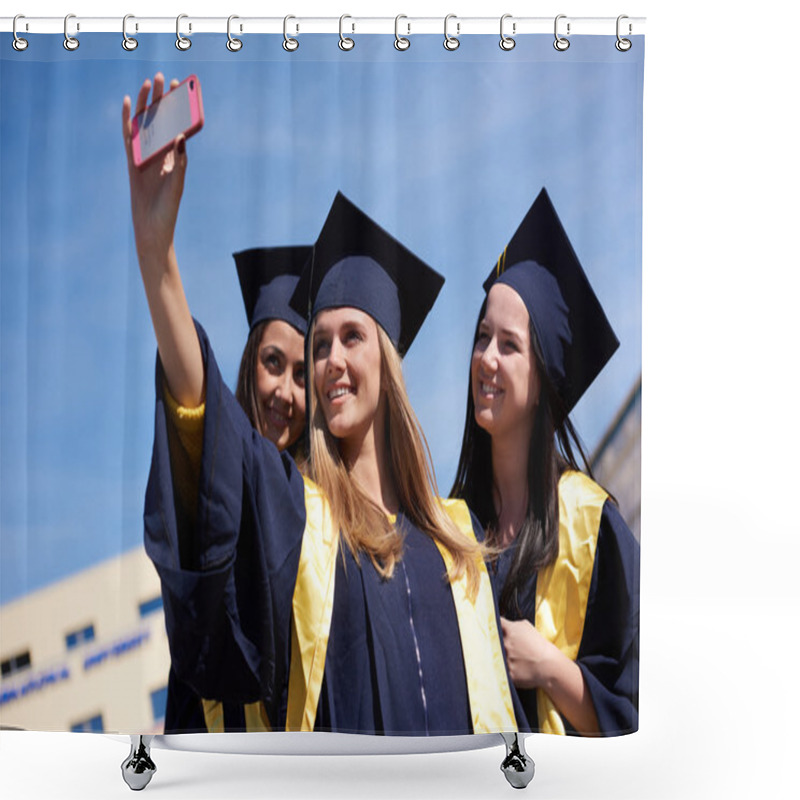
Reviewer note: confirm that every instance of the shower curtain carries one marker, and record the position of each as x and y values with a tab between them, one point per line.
446	150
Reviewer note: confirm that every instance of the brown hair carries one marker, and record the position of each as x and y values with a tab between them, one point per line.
550	454
247	389
363	525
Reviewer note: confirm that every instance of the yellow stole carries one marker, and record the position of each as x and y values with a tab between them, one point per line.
487	683
312	605
255	717
312	608
562	589
490	701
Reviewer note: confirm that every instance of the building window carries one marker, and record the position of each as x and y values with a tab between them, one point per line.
92	725
16	663
80	637
150	606
158	699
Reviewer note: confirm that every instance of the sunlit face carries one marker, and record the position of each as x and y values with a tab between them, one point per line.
505	381
280	383
347	371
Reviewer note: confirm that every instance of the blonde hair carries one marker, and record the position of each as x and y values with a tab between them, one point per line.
364	526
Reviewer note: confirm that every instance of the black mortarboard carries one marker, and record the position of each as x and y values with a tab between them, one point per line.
540	265
357	263
268	277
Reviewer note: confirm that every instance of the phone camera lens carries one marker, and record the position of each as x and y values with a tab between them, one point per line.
191	85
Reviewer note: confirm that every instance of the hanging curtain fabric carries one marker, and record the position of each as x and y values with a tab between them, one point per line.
248	283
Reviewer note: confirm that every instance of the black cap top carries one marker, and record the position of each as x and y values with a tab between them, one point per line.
540	265
357	263
268	277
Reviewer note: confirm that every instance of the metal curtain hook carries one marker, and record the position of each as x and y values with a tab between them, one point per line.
507	42
128	42
70	42
400	42
181	42
345	43
290	44
451	42
19	43
560	43
233	44
623	45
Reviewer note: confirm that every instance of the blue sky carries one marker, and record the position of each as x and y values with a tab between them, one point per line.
446	150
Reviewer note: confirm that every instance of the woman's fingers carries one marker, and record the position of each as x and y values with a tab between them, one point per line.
126	130
141	100
126	118
174	83
158	86
179	169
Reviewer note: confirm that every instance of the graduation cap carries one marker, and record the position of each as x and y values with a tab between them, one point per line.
540	265
357	263
268	277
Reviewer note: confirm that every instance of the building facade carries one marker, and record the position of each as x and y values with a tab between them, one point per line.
88	653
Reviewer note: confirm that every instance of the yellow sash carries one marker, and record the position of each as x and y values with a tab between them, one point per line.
487	683
562	589
312	607
255	717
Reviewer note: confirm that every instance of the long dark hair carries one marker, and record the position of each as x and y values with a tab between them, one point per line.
551	451
247	389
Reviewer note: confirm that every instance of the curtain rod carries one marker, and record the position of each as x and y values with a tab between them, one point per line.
350	24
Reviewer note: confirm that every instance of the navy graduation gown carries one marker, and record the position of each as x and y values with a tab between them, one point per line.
394	662
609	651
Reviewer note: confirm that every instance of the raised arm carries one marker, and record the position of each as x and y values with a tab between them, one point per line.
155	198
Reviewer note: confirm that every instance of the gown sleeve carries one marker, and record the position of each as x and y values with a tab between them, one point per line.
609	653
227	558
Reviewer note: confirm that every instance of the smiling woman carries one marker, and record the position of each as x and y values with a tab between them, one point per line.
505	377
567	575
271	384
346	363
352	599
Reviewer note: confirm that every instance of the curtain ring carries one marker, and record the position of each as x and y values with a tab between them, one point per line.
181	42
70	42
561	44
401	42
623	45
507	42
129	43
233	44
345	43
290	44
19	43
451	42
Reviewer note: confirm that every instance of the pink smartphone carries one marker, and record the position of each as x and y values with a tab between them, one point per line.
178	111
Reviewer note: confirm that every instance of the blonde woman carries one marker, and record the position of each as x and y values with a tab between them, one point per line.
351	600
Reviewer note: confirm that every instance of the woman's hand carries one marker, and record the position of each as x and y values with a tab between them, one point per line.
529	654
155	198
156	190
536	663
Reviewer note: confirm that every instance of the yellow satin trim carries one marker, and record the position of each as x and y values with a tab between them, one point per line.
562	589
487	681
215	717
255	718
312	607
